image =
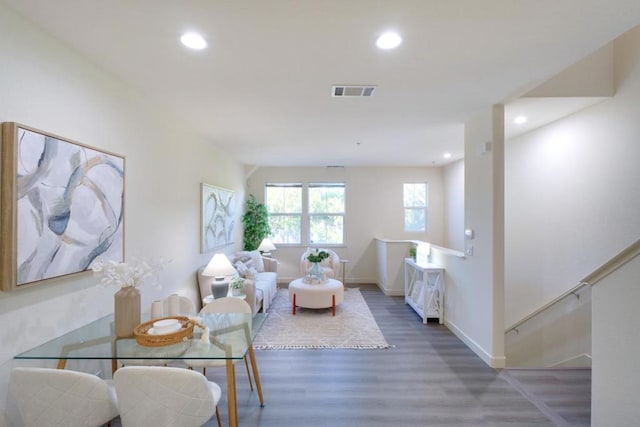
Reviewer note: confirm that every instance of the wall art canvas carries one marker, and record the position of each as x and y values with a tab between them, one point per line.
218	217
62	206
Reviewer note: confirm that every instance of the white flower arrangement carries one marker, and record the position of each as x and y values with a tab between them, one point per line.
124	274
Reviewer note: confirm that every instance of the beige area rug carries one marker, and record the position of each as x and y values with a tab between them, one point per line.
353	326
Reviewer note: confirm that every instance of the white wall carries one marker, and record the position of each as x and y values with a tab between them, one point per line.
573	192
374	209
453	183
615	374
47	86
474	302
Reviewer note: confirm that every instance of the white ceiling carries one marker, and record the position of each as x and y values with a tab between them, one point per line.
261	90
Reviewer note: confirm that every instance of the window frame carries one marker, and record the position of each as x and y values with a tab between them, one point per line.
424	208
342	214
305	215
300	214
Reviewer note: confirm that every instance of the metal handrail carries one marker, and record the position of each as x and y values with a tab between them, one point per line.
605	269
572	291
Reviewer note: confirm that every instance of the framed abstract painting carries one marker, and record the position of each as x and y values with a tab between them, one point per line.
62	206
217	217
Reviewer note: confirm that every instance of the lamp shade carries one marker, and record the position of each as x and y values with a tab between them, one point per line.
266	245
219	267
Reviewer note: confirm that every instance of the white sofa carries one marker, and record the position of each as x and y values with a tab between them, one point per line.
261	279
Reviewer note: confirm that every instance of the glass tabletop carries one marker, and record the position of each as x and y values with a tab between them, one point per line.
230	335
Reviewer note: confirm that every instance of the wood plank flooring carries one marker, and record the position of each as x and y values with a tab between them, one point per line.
428	378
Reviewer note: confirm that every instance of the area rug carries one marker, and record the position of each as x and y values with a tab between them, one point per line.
353	326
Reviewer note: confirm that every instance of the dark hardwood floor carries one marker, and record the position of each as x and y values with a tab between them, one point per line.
428	378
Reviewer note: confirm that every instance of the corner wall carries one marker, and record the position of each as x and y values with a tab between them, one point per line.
453	183
474	302
48	86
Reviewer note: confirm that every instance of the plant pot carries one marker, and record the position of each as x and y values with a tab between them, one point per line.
126	311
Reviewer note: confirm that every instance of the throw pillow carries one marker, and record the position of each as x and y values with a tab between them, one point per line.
242	268
258	263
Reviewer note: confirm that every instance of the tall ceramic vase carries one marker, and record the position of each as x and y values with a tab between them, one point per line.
126	311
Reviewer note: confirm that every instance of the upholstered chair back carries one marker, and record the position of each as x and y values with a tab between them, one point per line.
330	266
59	397
164	396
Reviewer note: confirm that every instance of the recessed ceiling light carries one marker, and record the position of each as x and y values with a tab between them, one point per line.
193	41
520	120
389	40
447	155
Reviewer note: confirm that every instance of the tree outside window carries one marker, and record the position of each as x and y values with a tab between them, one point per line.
415	207
318	221
284	203
326	213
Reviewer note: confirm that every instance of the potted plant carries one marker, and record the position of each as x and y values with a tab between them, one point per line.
315	258
237	285
413	252
256	223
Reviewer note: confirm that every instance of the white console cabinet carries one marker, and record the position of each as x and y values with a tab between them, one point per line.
424	289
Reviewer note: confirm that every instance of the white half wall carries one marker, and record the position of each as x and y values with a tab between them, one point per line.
615	324
48	86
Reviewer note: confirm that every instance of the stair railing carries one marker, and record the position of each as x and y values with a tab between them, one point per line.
573	291
598	274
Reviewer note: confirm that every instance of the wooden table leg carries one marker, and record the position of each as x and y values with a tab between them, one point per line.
256	374
294	304
231	394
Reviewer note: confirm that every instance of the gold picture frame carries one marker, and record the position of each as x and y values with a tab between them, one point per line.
62	206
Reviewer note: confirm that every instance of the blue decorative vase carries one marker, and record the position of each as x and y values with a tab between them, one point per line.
316	271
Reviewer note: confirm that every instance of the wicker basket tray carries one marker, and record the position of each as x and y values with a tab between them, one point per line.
152	340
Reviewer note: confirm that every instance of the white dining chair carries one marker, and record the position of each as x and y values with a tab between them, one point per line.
152	396
57	397
223	305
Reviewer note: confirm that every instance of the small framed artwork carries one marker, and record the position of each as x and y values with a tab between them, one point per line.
62	206
217	217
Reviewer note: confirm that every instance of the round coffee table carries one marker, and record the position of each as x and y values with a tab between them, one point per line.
316	295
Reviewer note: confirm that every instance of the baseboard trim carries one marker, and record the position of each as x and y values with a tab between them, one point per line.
497	362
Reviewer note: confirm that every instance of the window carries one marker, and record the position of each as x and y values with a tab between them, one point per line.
326	214
415	207
318	221
284	203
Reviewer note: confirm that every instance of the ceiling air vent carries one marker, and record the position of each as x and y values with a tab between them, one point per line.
343	91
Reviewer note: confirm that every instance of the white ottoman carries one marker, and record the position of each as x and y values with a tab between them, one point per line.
319	295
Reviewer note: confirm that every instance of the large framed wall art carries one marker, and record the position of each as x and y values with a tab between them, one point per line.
217	217
62	206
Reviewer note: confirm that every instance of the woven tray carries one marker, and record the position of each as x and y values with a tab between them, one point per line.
151	340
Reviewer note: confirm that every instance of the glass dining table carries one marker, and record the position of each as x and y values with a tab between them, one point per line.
230	339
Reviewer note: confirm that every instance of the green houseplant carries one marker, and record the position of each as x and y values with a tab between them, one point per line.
256	223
